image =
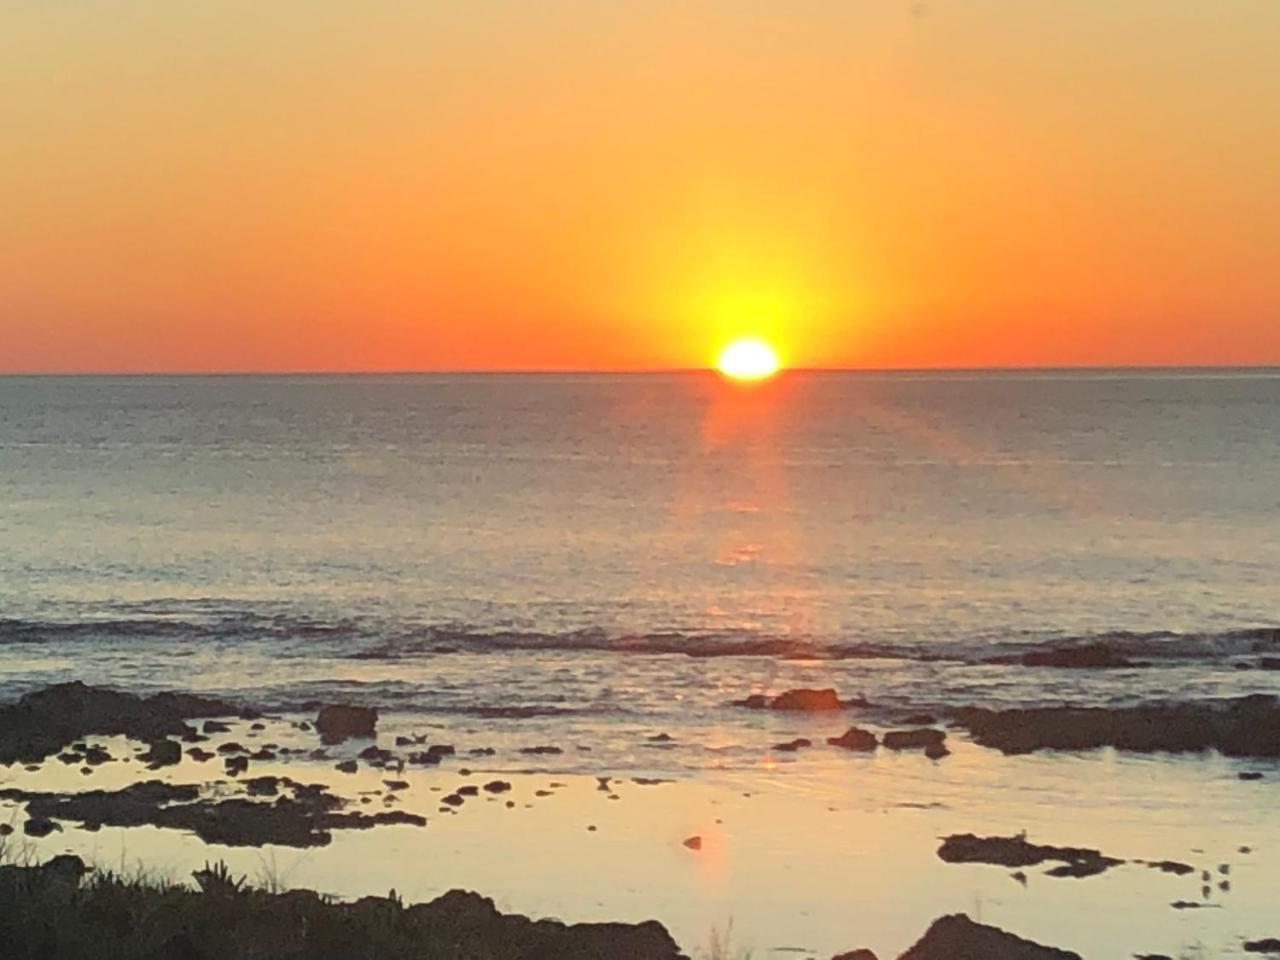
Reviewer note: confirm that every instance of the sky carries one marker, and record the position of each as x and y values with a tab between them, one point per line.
600	184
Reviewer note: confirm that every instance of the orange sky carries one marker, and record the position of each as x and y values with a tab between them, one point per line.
314	184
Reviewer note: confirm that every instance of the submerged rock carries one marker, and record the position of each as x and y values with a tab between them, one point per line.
1018	852
862	954
855	738
338	722
807	700
791	746
914	739
303	820
1090	656
956	937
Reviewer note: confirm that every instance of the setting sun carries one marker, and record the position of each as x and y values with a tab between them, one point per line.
748	359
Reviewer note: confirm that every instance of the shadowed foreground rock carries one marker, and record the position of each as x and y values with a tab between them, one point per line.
49	913
956	937
1244	727
41	723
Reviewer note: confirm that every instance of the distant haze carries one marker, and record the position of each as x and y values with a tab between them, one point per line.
578	184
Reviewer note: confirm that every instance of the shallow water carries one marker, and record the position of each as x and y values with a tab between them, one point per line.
807	855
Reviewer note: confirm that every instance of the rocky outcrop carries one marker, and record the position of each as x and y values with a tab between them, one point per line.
1018	852
801	701
921	739
42	723
304	819
1244	727
855	739
956	937
338	722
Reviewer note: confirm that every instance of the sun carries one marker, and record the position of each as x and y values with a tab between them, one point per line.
748	359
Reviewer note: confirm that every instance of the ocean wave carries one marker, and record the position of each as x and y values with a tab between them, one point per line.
375	639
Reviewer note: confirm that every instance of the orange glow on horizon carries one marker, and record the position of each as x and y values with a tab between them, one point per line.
386	186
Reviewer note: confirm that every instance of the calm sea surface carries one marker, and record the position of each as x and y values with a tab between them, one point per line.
603	563
581	534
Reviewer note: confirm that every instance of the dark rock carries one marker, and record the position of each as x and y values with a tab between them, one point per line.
854	739
497	786
757	701
1268	945
263	786
693	843
257	727
1017	852
914	739
1091	656
377	756
1243	727
231	748
200	756
956	937
660	738
304	820
541	751
1269	663
42	722
936	751
71	757
5	829
404	741
162	753
262	755
346	766
807	700
215	726
396	784
468	791
482	752
791	746
95	755
453	800
38	826
303	725
862	954
1172	866
235	765
339	722
1249	775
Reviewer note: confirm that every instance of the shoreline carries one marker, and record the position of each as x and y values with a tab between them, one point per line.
612	846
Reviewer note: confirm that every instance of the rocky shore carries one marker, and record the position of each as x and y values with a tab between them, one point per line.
61	910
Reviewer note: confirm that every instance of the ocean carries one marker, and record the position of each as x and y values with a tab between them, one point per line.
833	514
603	563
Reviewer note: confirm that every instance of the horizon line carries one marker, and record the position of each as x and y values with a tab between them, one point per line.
647	371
